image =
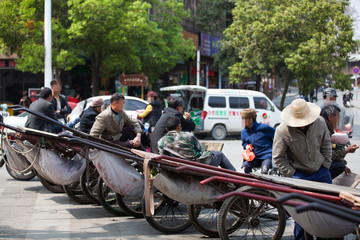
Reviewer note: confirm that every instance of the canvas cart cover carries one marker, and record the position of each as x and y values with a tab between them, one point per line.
15	159
117	173
185	189
53	167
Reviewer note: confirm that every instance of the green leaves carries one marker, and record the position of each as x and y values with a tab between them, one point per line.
116	35
306	39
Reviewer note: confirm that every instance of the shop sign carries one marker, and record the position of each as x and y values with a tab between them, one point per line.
209	45
133	80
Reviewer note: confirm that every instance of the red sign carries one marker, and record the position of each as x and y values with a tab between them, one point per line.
2	63
12	64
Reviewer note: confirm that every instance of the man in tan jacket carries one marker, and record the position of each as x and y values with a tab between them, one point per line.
302	146
115	125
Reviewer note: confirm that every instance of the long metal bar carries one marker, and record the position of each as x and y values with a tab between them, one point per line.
266	185
187	162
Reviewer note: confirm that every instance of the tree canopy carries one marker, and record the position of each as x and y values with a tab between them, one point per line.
302	39
116	36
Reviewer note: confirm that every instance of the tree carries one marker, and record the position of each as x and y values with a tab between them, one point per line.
115	35
297	38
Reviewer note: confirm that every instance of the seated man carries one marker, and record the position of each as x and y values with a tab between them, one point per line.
184	145
260	137
115	125
42	105
331	114
87	118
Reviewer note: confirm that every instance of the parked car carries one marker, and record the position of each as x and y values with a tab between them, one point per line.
218	111
132	107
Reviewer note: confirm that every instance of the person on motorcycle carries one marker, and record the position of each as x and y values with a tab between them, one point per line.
347	97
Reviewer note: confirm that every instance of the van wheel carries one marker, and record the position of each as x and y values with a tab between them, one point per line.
218	132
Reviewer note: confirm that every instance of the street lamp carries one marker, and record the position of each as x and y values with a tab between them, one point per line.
47	43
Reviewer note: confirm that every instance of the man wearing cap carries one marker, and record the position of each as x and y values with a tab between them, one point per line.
302	146
260	137
87	118
115	125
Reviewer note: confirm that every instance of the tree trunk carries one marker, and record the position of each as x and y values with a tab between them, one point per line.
258	81
95	72
287	78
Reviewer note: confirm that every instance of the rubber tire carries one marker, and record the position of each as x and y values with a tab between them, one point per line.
203	220
227	206
111	204
74	192
52	187
131	205
218	132
21	176
159	219
89	189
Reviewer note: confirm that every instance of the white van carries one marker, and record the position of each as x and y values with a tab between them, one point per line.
218	111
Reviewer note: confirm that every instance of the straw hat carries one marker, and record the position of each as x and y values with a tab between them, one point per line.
300	113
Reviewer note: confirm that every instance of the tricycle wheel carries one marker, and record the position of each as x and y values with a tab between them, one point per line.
242	217
74	192
204	218
88	182
169	216
132	205
52	187
107	199
21	176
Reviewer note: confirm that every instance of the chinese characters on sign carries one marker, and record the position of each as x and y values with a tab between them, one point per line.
133	80
209	44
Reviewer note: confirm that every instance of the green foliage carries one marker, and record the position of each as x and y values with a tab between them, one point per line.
116	35
214	16
297	38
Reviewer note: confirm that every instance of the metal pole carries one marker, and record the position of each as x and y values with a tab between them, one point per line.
207	76
219	78
198	67
47	43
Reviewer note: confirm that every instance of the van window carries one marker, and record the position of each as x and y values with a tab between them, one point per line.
239	102
262	103
196	103
217	102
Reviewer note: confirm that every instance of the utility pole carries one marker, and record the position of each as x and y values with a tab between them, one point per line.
47	43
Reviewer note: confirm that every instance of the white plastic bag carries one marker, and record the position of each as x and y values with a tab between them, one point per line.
54	168
117	173
187	190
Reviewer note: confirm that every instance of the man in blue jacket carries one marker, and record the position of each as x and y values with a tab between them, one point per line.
260	137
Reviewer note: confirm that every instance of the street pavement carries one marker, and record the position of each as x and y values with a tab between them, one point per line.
29	211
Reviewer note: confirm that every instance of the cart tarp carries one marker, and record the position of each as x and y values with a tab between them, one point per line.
53	167
320	224
117	173
185	189
15	159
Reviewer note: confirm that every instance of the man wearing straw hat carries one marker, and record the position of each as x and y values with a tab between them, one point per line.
302	146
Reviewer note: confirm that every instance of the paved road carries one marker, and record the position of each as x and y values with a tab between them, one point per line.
29	211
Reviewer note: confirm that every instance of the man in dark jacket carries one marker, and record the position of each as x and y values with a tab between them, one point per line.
42	105
59	101
87	119
174	109
331	114
152	111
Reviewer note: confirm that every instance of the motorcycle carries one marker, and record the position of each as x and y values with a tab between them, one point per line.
346	99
